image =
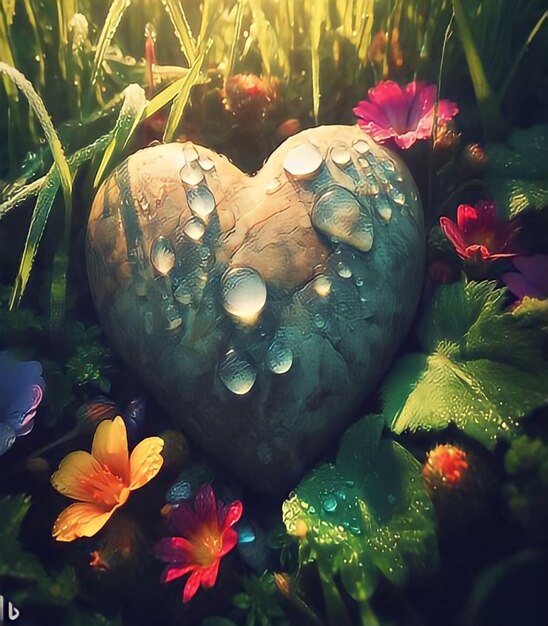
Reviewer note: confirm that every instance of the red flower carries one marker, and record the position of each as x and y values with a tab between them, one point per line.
446	465
478	235
402	113
207	535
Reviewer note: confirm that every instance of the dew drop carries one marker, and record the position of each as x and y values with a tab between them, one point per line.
343	270
340	156
191	174
330	504
194	229
391	498
361	146
338	215
322	286
279	358
162	255
190	152
246	534
206	164
303	161
243	293
273	185
173	317
398	197
237	374
201	201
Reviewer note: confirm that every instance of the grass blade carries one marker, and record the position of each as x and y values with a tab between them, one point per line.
319	16
182	28
236	37
37	225
181	99
51	135
115	13
128	119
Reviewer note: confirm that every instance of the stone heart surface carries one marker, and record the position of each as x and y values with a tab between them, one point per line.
260	311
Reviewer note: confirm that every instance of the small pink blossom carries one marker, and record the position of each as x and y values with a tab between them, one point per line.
531	279
405	114
478	235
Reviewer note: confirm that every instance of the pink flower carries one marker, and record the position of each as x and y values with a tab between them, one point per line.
478	235
403	113
206	536
531	279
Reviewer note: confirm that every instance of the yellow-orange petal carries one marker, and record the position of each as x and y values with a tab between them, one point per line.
145	461
80	520
110	447
75	474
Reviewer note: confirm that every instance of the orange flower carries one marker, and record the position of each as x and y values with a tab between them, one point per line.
102	480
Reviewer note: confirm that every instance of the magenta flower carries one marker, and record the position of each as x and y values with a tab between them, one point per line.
402	113
531	279
478	235
205	536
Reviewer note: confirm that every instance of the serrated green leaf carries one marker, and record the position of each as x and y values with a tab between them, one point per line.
482	367
517	174
368	514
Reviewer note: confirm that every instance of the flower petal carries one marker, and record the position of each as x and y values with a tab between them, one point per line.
520	286
76	472
110	447
183	519
205	505
174	550
80	520
230	539
171	573
7	437
392	100
468	220
452	233
209	575
229	515
192	586
370	112
145	461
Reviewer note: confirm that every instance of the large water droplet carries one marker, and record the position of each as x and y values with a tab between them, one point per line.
201	201
361	146
194	229
174	318
340	156
191	174
329	504
303	161
162	255
243	293
279	358
338	214
206	164
246	533
237	374
190	152
343	270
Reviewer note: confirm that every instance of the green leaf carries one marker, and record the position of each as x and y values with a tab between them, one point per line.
116	11
369	514
482	368
517	175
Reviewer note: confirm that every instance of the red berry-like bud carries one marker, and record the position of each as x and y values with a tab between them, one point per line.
446	467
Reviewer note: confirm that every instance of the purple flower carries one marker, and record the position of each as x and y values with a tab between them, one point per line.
531	279
21	391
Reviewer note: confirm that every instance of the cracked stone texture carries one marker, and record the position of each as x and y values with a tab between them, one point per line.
260	311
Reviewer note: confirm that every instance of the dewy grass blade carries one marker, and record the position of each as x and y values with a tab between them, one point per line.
128	119
182	28
181	99
115	13
51	135
236	37
319	15
37	225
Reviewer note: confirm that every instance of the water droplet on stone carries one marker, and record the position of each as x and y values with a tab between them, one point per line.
391	498
201	201
279	357
359	281
243	293
340	156
361	146
190	152
303	161
330	504
191	174
398	197
338	214
273	185
206	164
194	229
174	318
319	321
246	534
343	270
322	286
237	374
162	255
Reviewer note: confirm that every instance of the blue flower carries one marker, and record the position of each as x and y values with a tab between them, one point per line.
21	391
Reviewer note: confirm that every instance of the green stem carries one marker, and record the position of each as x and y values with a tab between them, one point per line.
67	437
493	123
368	617
337	613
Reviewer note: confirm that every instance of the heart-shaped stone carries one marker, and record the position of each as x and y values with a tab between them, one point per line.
259	310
